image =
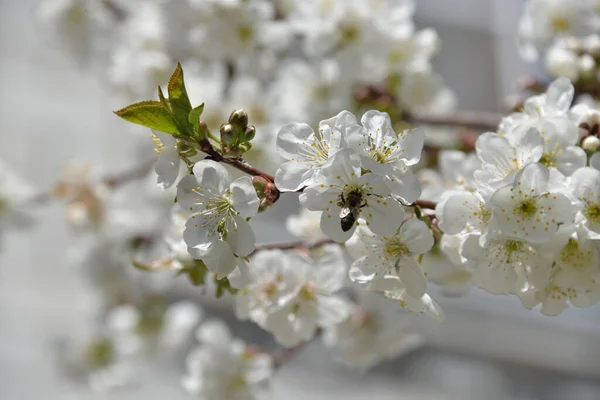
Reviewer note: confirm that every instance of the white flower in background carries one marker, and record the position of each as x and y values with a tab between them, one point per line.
241	27
225	368
74	24
561	61
271	275
376	330
154	328
528	209
291	294
575	274
586	190
455	172
306	225
217	228
343	194
14	195
501	159
423	90
309	151
140	62
395	255
388	154
447	267
544	20
318	87
412	48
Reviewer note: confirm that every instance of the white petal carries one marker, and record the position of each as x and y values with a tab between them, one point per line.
375	121
560	94
532	180
364	270
332	310
417	236
187	195
240	277
243	197
293	175
343	167
331	225
167	167
240	237
291	138
570	160
220	260
211	176
199	240
411	142
404	185
383	216
456	210
411	275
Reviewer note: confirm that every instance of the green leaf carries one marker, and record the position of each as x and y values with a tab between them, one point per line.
163	100
150	114
194	115
196	272
178	97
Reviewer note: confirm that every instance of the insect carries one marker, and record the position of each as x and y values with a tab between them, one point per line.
349	213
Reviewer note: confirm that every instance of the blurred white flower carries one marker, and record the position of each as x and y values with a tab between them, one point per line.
225	368
376	330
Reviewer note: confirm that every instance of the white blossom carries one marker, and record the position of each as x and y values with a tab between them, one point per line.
15	194
528	209
217	228
395	255
376	330
341	189
389	154
225	368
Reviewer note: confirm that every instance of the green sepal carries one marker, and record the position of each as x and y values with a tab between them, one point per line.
223	285
196	272
150	114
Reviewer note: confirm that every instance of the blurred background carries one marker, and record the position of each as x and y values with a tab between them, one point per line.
53	112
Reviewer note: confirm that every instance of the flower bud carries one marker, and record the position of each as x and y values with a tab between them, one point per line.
201	132
238	119
249	133
228	135
591	144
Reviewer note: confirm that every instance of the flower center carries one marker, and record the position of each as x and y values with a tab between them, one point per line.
592	212
245	33
560	24
573	255
527	208
307	291
395	248
218	210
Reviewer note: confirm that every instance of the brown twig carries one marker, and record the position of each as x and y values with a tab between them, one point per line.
236	163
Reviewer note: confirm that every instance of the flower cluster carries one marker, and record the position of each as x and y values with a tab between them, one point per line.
544	20
253	53
528	223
